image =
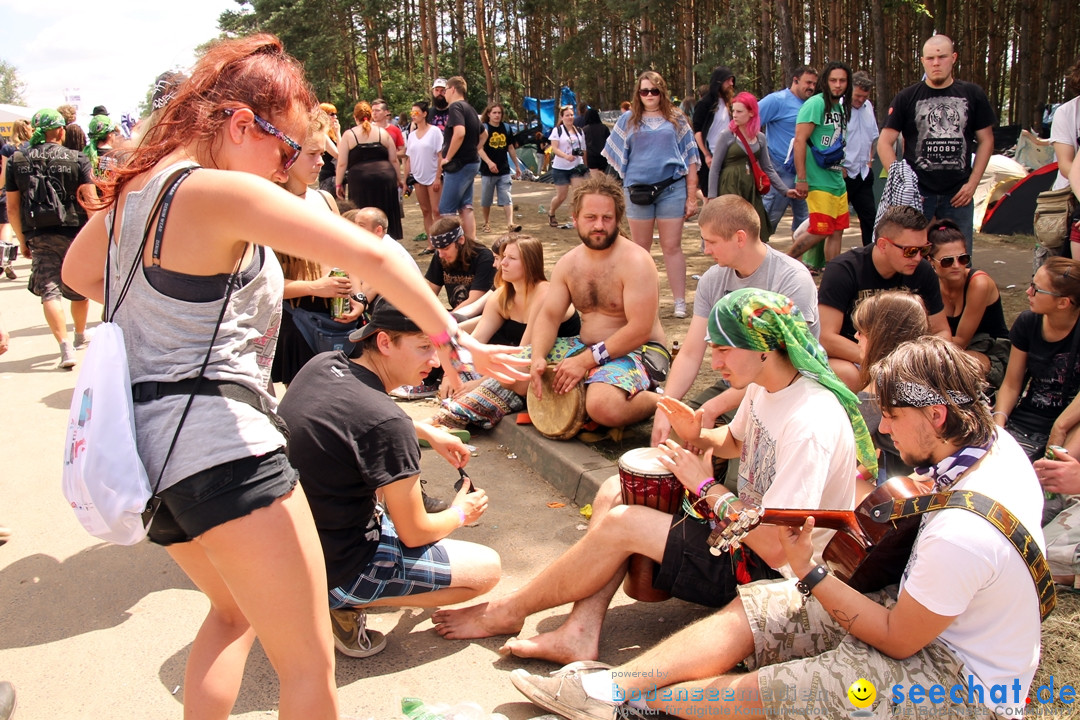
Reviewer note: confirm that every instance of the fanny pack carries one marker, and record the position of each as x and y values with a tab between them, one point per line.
831	157
643	194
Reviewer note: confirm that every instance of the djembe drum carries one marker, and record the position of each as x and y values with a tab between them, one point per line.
556	416
646	482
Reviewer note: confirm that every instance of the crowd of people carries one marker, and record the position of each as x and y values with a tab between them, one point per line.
895	360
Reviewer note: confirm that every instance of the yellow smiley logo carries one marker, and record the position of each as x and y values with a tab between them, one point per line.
862	693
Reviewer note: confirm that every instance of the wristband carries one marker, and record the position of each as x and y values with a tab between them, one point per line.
810	581
446	336
461	514
361	298
705	485
723	504
999	412
600	353
800	180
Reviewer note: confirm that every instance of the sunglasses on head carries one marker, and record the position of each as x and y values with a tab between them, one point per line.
645	92
910	251
948	260
269	129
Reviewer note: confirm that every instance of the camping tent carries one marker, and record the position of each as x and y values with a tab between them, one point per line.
9	114
1014	213
1000	175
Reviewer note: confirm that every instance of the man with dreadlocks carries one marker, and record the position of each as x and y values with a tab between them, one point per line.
799	433
819	161
960	630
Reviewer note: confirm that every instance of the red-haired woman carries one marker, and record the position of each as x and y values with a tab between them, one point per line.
367	171
730	172
231	514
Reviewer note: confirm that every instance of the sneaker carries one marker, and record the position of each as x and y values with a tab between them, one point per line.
67	355
83	339
7	700
563	693
413	392
680	309
513	228
351	636
432	504
9	273
427	251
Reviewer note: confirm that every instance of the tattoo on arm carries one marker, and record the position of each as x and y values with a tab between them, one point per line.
844	620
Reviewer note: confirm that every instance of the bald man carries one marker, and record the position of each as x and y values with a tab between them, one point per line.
943	121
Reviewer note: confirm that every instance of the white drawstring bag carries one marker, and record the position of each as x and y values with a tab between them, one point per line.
104	478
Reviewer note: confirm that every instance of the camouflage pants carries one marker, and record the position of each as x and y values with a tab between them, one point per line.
47	252
806	661
1063	540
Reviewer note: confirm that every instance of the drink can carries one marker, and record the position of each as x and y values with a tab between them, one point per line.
1054	452
339	305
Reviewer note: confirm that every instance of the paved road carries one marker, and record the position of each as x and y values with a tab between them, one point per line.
91	630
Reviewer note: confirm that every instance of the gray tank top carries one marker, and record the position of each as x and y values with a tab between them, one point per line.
167	340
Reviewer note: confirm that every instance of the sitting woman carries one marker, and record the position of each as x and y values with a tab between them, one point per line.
309	288
1037	400
972	302
522	287
883	322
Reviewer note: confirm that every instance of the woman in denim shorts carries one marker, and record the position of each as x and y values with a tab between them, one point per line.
568	163
232	515
654	143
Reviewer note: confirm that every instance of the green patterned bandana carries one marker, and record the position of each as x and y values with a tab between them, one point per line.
100	127
44	121
752	319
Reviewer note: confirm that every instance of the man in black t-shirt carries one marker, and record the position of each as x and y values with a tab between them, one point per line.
896	260
464	267
943	120
349	440
440	108
462	139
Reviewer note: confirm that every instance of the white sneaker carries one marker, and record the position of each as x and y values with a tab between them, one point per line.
67	355
680	309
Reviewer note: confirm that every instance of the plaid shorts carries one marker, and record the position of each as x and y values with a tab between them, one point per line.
395	571
806	661
48	253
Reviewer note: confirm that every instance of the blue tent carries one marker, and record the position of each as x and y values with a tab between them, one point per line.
545	109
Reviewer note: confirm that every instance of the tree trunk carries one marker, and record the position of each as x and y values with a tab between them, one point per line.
884	96
788	58
482	48
1024	109
1047	69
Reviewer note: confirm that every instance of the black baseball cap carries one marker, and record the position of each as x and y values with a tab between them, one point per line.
384	316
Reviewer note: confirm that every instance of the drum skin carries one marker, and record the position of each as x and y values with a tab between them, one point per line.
556	416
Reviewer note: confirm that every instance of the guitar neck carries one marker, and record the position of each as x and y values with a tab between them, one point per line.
826	519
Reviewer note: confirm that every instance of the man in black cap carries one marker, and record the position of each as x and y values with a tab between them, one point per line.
377	553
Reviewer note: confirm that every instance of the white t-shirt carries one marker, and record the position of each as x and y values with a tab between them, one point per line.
964	567
720	122
423	154
567	141
777	273
1066	130
798	452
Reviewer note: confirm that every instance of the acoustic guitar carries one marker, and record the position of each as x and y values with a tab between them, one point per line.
866	553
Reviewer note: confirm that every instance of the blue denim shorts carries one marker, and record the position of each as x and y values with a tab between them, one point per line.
563	177
219	494
670	204
489	184
395	571
457	189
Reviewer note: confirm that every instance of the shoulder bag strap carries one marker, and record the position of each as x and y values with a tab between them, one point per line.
749	152
997	514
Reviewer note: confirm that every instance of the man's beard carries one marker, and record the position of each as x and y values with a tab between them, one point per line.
602	244
439	101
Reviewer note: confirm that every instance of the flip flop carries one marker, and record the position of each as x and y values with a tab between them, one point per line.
552	222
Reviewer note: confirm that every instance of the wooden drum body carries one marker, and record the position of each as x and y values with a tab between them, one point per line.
646	482
559	417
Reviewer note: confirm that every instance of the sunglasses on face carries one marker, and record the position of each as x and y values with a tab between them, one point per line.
1036	290
948	260
910	251
271	130
645	92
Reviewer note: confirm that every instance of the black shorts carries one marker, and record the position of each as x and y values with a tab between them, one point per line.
219	494
690	572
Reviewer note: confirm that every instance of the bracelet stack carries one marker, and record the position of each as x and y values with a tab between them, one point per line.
600	353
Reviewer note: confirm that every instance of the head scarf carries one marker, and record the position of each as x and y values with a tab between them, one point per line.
44	121
752	319
100	127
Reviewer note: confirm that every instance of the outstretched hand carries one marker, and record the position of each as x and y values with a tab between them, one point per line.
685	421
495	361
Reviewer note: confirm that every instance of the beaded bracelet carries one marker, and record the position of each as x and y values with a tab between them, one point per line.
705	485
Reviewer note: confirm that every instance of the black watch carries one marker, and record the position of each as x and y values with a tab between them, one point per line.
361	298
810	581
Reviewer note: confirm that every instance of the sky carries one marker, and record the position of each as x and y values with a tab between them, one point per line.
108	54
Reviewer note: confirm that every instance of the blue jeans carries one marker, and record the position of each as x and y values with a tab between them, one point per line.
939	207
776	203
457	190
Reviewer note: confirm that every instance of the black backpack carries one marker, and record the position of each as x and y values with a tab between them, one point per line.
48	180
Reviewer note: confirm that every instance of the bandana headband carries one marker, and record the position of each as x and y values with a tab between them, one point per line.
917	395
446	239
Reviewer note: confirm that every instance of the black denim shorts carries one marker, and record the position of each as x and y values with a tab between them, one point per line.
219	494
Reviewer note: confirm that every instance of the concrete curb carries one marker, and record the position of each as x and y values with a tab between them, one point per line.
571	467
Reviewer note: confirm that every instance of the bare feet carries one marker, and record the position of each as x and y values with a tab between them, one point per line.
563	646
478	621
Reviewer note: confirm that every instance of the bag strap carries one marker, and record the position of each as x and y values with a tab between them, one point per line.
159	204
997	514
749	152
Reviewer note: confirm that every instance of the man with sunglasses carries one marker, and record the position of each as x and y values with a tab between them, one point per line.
896	260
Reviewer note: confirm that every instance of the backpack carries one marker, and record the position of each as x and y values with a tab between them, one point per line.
40	173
